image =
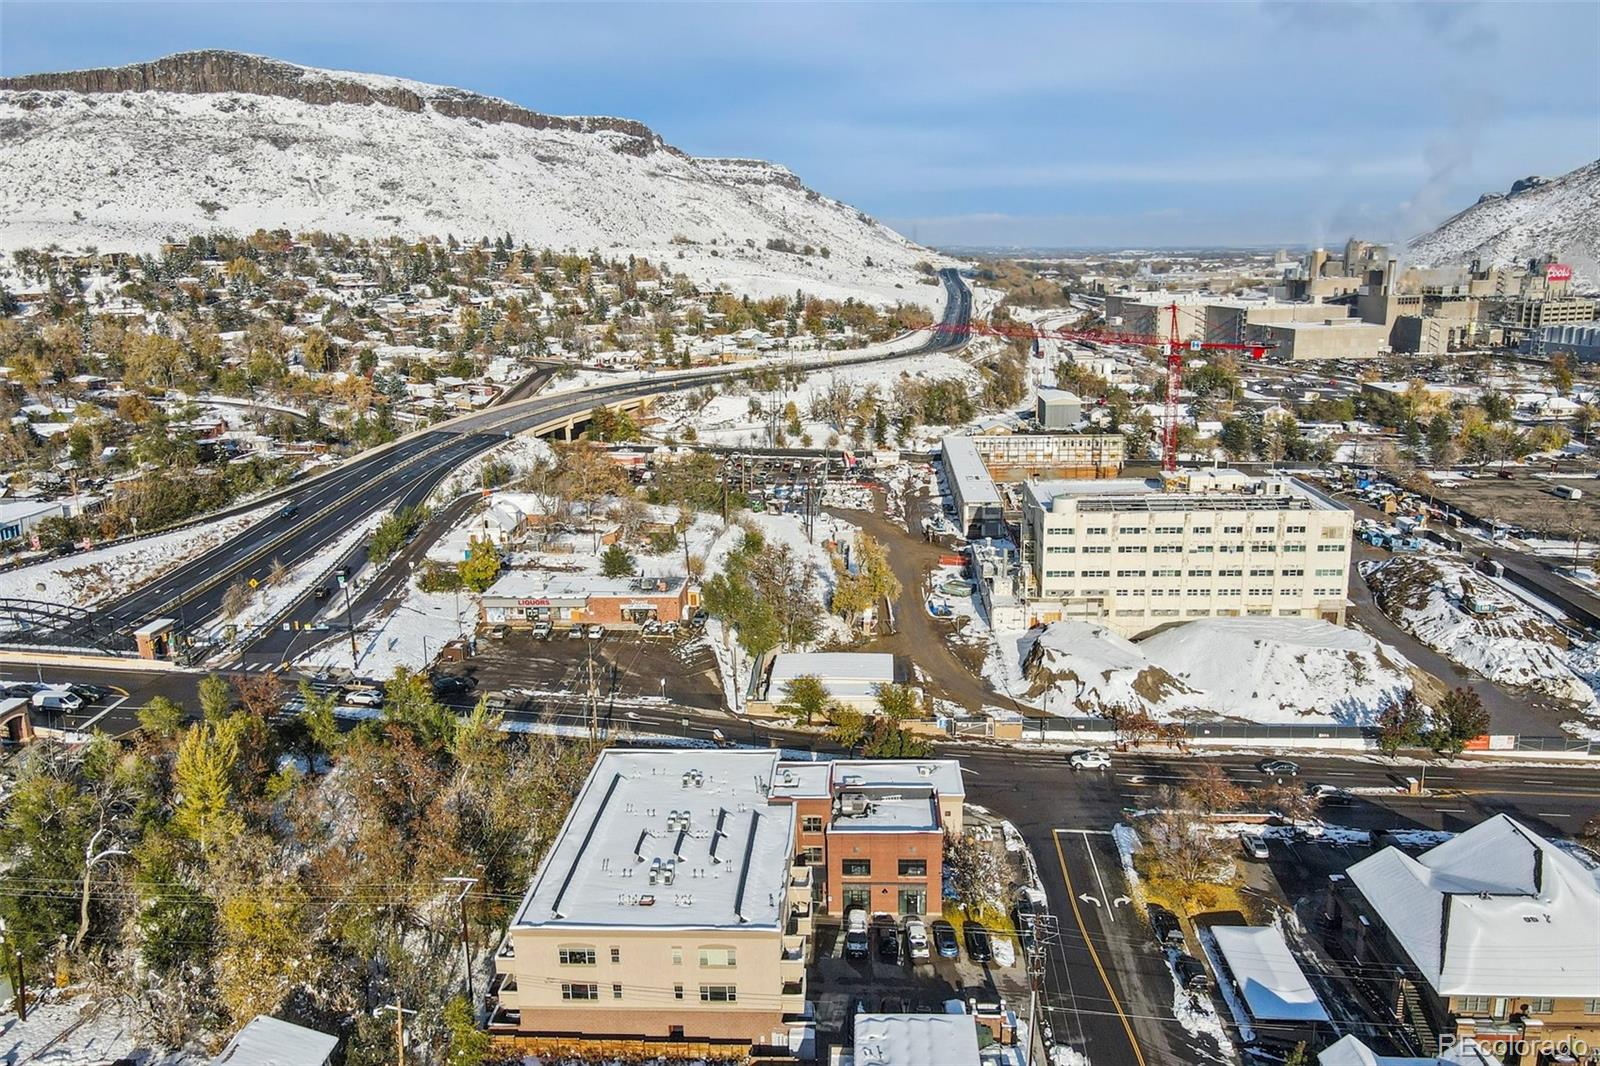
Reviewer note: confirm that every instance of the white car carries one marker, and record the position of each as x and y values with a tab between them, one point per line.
917	939
1089	759
364	697
1005	953
596	631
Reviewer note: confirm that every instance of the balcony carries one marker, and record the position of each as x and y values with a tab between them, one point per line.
800	882
504	1020
792	962
507	950
793	997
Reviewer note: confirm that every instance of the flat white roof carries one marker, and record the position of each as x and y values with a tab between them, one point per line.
967	476
269	1041
916	1040
839	666
1496	911
702	818
1271	982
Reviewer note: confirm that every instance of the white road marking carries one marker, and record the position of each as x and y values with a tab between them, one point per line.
1551	814
1449	810
1096	866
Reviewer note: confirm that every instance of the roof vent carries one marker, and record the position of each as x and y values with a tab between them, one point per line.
647	901
924	769
852	779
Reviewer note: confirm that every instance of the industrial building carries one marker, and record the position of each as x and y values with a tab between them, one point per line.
1135	555
1330	338
674	909
1580	342
1057	410
973	464
523	597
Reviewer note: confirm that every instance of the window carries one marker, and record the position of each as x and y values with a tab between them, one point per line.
677	956
1170	612
1229	592
1059	573
811	823
1166	573
1130	530
1130	549
1201	529
1230	572
1295	548
858	867
576	956
1331	571
1541	1005
1231	549
857	898
1294	529
1265	529
1259	591
1169	529
1130	614
1291	573
718	958
1096	531
811	856
1097	573
1591	1006
1233	529
913	867
577	991
1261	571
1097	549
1200	573
1060	549
677	991
1330	547
1262	546
1329	532
1202	549
616	956
1130	573
616	991
719	994
1168	549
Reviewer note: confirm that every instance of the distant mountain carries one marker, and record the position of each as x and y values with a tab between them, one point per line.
205	141
1559	216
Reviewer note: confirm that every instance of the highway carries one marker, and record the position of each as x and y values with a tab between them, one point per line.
329	504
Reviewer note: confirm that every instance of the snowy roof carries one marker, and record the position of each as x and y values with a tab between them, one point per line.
1498	910
269	1041
968	477
1271	982
1206	490
800	780
876	668
916	1040
545	584
668	840
1048	395
1350	1051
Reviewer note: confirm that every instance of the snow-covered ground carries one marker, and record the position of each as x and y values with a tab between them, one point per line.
376	170
521	454
408	635
1513	643
81	1030
87	578
1277	670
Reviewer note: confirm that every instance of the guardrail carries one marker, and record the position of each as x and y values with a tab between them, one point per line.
1091	729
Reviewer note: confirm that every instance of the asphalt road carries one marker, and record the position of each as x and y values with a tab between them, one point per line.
333	503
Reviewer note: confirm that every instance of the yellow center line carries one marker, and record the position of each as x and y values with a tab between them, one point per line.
1088	942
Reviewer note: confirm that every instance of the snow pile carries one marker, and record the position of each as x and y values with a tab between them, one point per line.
221	141
87	578
1507	641
1560	217
1280	670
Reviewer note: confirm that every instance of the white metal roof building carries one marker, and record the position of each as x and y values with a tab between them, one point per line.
1350	1051
852	678
1273	986
916	1040
269	1041
1496	911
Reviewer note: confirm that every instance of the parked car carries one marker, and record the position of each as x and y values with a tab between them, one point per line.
575	633
888	936
596	631
1165	925
979	947
1191	973
1254	846
451	684
23	689
499	632
90	693
58	699
1005	952
916	939
541	630
944	940
364	697
1089	759
855	934
1278	767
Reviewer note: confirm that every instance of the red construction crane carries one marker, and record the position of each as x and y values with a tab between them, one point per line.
1172	342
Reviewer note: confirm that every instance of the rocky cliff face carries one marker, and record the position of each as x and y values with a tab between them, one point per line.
1536	217
234	72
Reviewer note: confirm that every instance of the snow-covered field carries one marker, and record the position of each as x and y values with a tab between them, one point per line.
1513	645
1277	670
374	170
87	578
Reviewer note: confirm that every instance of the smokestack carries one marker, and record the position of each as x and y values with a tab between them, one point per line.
1388	278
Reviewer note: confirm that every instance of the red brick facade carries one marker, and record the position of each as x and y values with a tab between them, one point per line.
865	870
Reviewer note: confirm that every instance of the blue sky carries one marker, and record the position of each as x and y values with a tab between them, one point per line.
1072	124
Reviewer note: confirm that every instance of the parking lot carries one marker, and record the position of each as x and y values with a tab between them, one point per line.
841	986
625	666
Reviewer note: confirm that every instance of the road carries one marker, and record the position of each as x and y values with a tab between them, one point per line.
330	504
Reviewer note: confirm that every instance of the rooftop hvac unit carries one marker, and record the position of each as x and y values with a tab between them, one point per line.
655	870
669	871
852	804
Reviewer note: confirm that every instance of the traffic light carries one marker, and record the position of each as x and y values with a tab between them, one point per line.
344	576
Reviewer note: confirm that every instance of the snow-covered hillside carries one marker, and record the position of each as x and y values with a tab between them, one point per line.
206	141
1559	217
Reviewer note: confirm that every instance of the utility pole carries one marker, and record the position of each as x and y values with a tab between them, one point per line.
400	1013
593	707
22	989
1045	934
466	884
349	623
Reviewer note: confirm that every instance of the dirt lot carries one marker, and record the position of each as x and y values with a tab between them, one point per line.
626	666
1525	501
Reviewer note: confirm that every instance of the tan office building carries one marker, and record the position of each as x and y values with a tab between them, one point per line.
1135	555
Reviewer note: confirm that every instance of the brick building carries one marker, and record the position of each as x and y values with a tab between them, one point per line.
522	597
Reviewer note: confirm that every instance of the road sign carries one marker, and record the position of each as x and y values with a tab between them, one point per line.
254	583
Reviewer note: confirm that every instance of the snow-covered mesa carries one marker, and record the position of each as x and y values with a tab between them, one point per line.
1266	670
1559	217
208	141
